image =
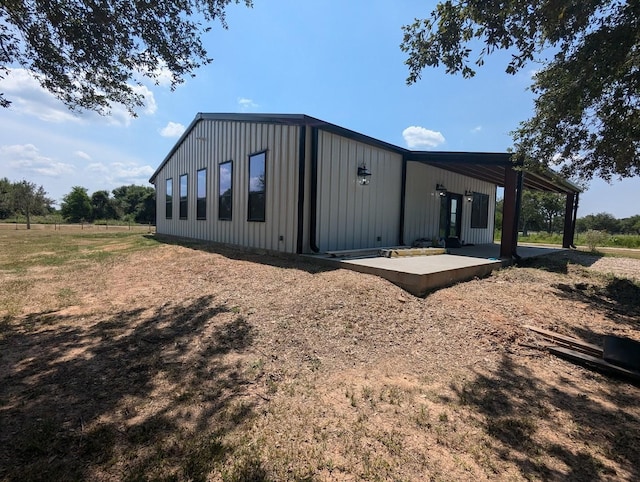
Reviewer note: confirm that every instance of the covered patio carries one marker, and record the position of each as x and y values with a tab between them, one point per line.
509	173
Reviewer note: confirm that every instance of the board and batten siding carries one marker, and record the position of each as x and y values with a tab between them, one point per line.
350	215
422	203
212	142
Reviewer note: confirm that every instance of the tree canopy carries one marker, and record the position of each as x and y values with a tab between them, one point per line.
91	54
587	117
76	206
23	198
136	202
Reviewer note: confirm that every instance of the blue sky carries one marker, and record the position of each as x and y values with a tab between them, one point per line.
336	60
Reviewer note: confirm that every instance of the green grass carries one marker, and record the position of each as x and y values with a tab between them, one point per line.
21	250
627	241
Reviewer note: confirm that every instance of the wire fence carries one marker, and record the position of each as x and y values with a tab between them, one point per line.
143	228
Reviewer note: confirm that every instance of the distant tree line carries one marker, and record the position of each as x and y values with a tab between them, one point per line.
542	211
130	203
126	203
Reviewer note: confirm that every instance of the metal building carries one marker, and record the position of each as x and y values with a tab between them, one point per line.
295	184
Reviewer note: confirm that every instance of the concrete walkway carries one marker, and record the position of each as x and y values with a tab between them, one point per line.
421	274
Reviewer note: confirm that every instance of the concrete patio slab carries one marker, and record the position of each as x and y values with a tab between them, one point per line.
420	275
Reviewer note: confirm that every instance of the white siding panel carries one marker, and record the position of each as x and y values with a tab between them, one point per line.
208	145
352	216
422	203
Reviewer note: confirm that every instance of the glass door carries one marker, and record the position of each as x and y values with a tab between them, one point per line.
450	215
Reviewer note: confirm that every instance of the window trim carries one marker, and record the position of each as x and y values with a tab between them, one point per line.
262	218
201	202
168	199
184	214
220	193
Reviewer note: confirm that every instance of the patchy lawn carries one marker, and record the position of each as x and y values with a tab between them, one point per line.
125	358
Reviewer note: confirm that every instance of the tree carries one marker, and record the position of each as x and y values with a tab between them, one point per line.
91	54
630	225
137	202
587	116
599	222
29	199
551	208
76	206
103	206
6	198
530	216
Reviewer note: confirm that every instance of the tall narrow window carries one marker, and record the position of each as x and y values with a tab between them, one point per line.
480	211
183	196
257	187
201	201
225	191
168	214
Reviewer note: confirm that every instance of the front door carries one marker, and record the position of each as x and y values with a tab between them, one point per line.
450	215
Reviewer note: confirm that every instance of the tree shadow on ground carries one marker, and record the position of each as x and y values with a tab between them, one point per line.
519	411
559	262
617	298
149	394
269	258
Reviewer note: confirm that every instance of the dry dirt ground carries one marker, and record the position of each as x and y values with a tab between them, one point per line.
182	362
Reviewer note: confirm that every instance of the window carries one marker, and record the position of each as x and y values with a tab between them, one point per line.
225	191
183	196
169	199
480	211
201	200
257	185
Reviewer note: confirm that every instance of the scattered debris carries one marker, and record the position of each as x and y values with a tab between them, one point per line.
618	357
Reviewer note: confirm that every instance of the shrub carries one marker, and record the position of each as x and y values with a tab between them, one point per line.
595	238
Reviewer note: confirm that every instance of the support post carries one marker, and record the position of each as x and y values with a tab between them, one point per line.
570	212
509	224
516	214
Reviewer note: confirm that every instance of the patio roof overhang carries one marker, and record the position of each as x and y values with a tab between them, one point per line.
492	167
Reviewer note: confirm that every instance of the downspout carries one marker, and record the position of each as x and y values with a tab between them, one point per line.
516	221
302	149
403	195
313	201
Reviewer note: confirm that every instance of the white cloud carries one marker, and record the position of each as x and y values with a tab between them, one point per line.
416	136
161	74
476	130
246	104
30	98
120	173
120	116
83	155
172	129
150	106
27	158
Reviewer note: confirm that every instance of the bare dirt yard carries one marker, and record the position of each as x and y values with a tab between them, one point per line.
125	357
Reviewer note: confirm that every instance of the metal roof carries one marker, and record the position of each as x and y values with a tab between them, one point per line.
486	166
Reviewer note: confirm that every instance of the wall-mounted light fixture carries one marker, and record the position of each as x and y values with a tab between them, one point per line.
469	195
363	175
441	190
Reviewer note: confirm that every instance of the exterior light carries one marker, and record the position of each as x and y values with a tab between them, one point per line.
469	195
441	190
363	175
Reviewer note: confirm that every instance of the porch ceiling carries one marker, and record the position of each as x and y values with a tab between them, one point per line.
491	167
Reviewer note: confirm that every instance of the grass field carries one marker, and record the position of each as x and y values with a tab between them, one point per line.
128	357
